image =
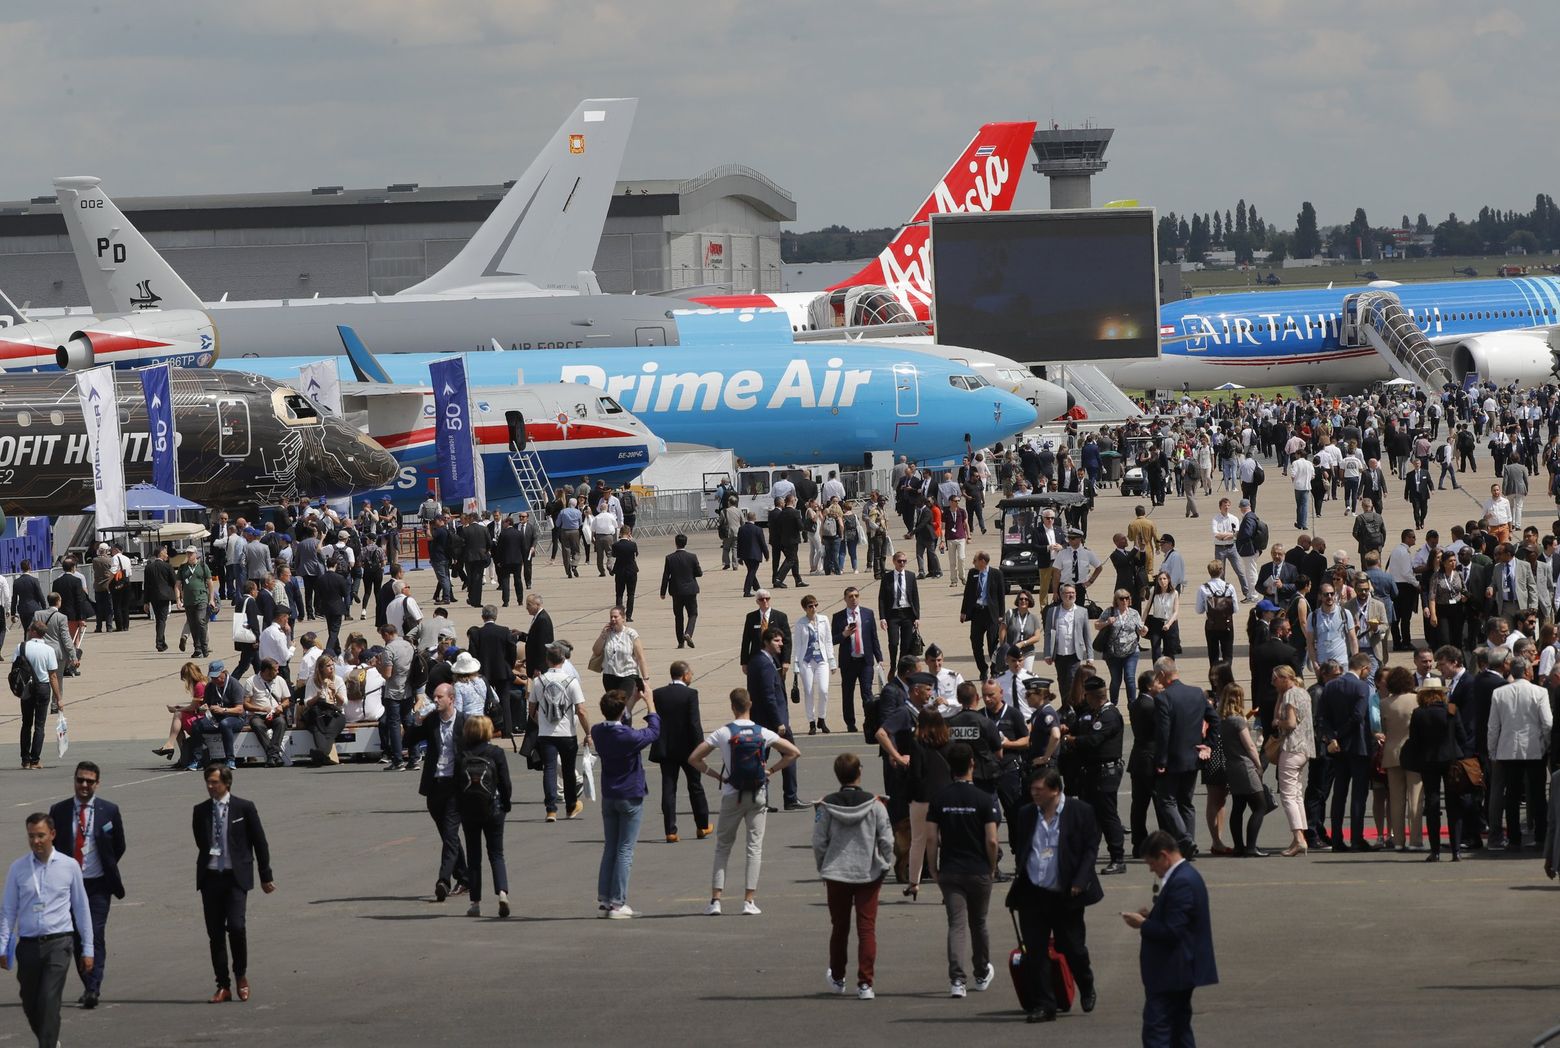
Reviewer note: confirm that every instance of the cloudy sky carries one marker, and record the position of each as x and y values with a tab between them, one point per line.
1398	105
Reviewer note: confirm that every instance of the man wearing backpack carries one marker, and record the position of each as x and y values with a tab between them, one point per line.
1216	601
744	793
35	679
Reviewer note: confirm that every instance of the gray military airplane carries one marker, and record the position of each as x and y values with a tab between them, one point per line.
241	439
524	278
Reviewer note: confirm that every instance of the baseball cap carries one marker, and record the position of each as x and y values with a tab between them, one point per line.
215	667
1267	605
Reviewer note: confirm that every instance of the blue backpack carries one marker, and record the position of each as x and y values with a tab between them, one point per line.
747	772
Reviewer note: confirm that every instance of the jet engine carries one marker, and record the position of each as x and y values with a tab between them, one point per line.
1505	357
186	337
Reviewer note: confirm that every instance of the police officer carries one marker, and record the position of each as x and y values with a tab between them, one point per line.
1045	728
1095	742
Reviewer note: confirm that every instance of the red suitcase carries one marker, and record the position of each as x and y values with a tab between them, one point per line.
1062	986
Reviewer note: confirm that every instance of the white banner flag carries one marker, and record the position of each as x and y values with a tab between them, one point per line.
100	412
321	383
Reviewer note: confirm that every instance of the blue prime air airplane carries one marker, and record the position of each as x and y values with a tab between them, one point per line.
738	381
1499	330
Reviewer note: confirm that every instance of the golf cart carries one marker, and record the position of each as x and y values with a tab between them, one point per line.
1133	451
1024	550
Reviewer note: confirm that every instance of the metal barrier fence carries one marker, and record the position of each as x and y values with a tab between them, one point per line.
668	511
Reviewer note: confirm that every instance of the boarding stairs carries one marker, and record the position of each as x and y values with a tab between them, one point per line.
531	478
1378	319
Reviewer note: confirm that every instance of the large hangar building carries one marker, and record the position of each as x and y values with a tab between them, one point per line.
720	229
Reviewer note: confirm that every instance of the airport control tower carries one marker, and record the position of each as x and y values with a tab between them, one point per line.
1069	157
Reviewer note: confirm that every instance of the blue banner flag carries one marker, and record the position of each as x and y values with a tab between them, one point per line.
157	385
453	433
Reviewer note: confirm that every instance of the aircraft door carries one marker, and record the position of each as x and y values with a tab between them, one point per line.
907	391
516	423
233	429
650	336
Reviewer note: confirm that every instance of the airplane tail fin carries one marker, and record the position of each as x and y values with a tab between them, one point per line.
123	273
547	229
365	366
984	178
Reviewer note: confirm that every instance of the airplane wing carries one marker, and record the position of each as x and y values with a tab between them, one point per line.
545	232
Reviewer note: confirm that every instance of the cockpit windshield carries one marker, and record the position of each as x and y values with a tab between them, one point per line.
294	409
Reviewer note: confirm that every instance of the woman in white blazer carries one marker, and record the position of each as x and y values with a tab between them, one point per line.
813	657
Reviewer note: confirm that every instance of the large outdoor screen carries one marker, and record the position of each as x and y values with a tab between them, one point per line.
1047	286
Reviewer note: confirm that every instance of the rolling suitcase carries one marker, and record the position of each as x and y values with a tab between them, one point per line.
1062	986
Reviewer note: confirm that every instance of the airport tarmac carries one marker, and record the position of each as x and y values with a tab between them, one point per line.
352	950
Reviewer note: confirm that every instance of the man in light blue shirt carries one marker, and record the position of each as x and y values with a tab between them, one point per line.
1042	854
45	901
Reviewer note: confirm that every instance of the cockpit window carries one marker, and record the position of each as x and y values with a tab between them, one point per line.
295	409
976	381
609	406
958	382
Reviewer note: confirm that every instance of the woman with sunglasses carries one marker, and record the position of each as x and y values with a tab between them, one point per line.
1021	629
1123	627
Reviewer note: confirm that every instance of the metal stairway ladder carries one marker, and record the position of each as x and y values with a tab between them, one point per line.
1389	329
532	480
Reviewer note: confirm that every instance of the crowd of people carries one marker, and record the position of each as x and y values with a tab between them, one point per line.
1402	694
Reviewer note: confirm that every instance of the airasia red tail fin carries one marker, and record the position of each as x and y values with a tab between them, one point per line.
984	178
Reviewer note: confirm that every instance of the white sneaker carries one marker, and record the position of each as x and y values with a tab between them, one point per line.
983	982
956	989
620	913
835	985
713	909
750	908
864	992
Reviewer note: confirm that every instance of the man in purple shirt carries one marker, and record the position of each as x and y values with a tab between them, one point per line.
622	795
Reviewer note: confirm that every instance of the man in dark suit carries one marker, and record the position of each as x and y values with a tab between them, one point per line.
1182	718
91	831
333	600
680	579
1344	720
478	547
768	696
1176	954
754	627
159	584
441	730
537	636
229	840
854	629
26	596
1416	489
681	733
1266	656
785	534
899	605
752	550
509	556
1055	844
984	588
494	646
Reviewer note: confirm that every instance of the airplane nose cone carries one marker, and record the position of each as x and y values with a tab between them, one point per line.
1010	414
344	463
375	466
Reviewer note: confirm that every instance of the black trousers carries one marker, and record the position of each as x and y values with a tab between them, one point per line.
1221	646
506	572
900	626
479	826
1525	777
40	970
1318	783
324	723
1142	798
160	617
1102	786
670	770
224	904
1351	780
1435	784
1404	605
854	673
444	809
121	601
35	716
1066	667
685	616
983	638
1044	914
624	583
1167	1020
1174	806
1246	836
476	572
332	633
786	563
99	899
750	581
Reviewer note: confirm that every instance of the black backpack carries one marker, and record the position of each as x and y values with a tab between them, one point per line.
478	777
1260	535
1257	476
21	678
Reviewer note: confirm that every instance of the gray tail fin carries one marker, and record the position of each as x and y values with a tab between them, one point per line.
123	273
547	228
